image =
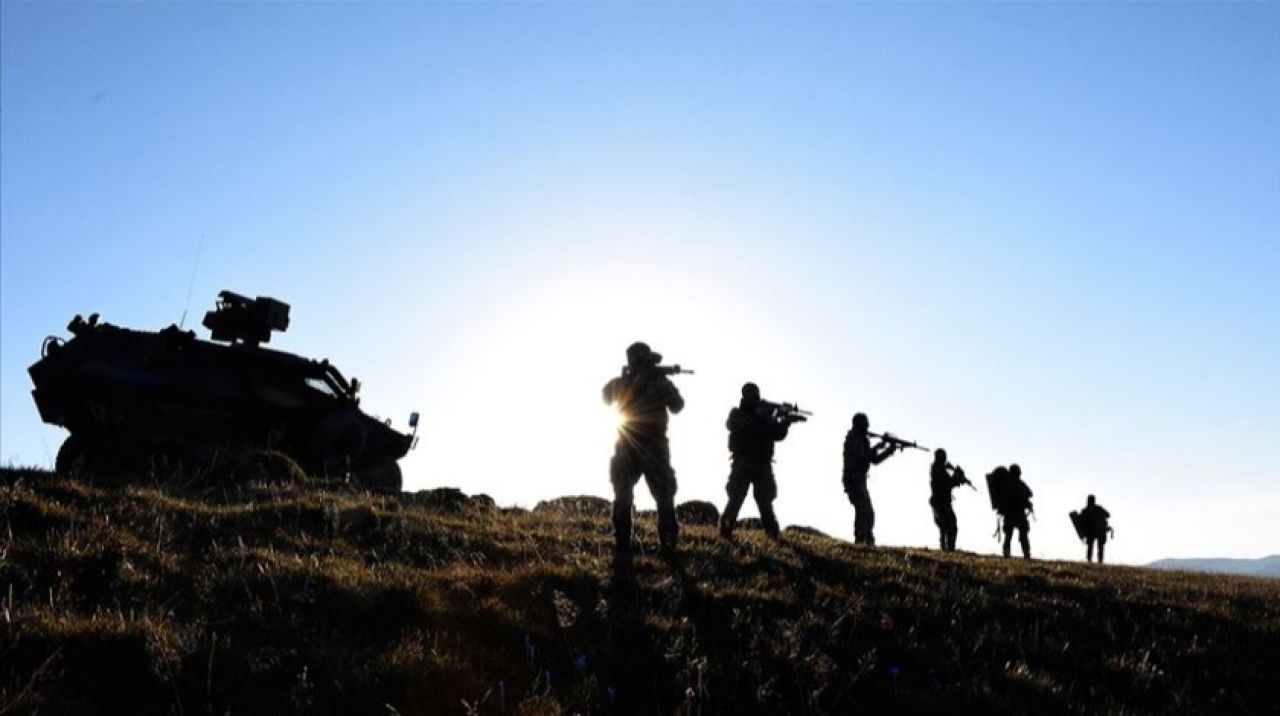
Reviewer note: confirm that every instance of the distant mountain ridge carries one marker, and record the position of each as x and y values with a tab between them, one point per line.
1261	567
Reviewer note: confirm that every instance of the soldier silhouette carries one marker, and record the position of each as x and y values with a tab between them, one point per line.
1014	508
643	395
859	456
943	478
754	427
1093	524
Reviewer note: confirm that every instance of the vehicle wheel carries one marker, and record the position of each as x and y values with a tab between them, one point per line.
80	458
383	477
72	458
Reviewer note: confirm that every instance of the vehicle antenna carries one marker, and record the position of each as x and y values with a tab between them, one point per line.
192	283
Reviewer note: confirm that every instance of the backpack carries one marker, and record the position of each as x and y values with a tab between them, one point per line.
1077	520
999	482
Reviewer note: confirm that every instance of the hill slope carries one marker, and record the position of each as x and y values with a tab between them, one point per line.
318	599
1261	567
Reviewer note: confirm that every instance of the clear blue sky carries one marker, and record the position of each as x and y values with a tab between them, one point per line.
1041	233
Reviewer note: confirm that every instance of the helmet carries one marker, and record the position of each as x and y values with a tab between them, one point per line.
860	420
750	391
940	455
639	354
1015	470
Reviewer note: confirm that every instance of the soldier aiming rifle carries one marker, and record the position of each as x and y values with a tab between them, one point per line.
644	395
859	456
754	426
943	478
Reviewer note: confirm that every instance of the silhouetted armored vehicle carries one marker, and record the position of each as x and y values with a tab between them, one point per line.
131	398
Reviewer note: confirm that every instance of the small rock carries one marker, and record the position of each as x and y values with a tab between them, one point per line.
697	512
441	499
576	506
803	530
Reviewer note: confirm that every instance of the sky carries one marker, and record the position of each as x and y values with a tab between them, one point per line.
1037	233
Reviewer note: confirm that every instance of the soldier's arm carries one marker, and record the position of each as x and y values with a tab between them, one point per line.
736	419
779	431
880	455
611	390
674	401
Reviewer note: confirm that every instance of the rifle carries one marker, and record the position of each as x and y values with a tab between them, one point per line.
897	442
657	369
672	370
790	412
958	472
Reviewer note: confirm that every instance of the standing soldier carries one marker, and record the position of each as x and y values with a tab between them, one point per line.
1091	525
1011	498
943	478
859	456
754	426
643	395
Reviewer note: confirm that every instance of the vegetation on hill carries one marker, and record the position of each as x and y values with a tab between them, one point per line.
305	597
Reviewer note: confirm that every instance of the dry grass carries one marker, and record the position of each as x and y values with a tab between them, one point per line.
313	598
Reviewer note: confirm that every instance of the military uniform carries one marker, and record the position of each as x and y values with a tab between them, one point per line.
859	456
941	483
1094	519
644	397
1014	515
752	434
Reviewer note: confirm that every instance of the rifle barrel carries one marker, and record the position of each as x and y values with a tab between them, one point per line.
894	439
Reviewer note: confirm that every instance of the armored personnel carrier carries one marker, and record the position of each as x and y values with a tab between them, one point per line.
131	398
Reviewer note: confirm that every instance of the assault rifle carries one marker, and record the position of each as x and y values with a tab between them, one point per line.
958	473
658	369
789	412
897	442
672	370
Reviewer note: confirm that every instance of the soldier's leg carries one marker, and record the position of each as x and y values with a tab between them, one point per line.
937	520
1024	539
765	489
1008	535
848	492
623	473
863	520
951	528
661	478
871	518
1088	549
736	488
1102	546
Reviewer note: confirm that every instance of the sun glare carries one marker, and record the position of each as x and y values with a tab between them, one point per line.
565	445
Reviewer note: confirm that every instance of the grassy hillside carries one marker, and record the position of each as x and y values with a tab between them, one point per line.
314	598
